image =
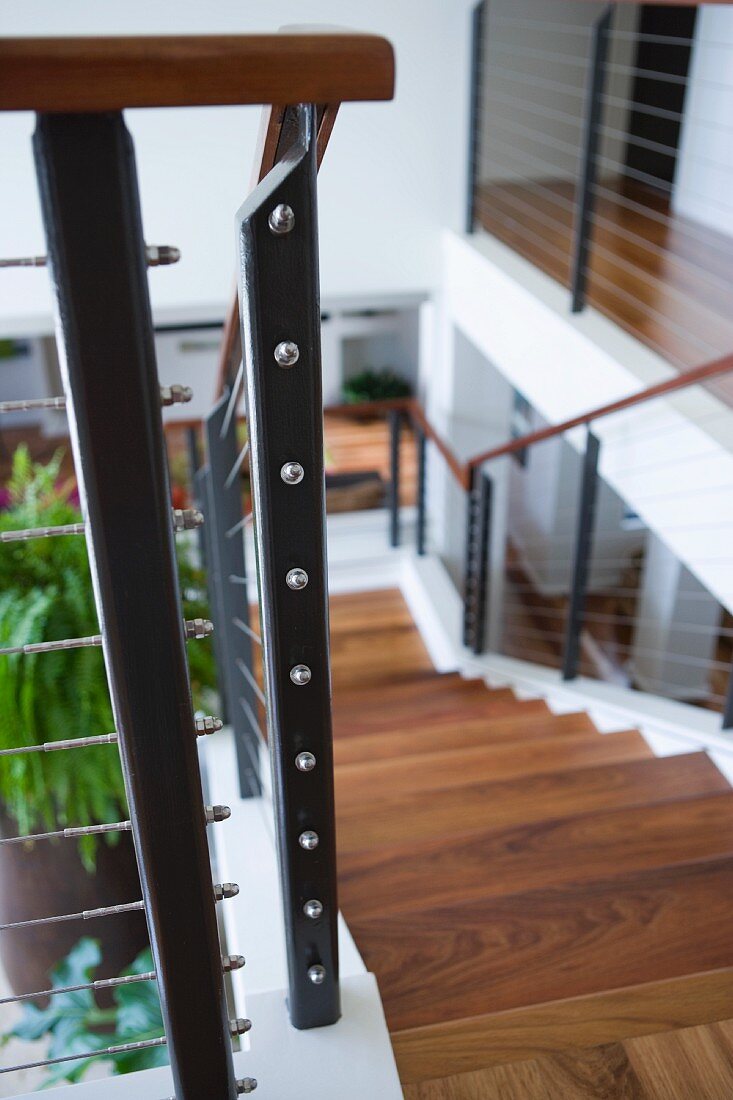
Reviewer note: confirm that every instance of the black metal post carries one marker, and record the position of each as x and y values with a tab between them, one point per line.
282	350
202	494
478	22
478	536
394	417
585	197
581	558
728	708
228	582
421	444
89	197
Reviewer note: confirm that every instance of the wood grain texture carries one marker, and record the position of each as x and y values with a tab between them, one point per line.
460	1046
487	806
439	871
543	945
444	770
109	74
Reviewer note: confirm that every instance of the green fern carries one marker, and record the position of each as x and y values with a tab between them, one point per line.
45	594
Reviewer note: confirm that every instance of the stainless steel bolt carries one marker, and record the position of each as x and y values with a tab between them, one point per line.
225	890
199	628
300	675
214	814
308	840
317	974
246	1084
287	353
187	519
281	220
240	1026
208	725
175	394
313	909
232	962
292	473
305	761
296	579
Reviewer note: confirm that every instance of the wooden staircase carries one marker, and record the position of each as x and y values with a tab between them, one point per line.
518	882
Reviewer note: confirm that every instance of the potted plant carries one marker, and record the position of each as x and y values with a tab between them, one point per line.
46	594
371	385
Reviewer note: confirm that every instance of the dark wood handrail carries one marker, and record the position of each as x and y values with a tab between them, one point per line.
660	389
109	74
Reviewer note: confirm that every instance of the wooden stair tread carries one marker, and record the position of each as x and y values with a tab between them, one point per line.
544	945
458	768
459	732
488	806
466	1045
398	701
436	872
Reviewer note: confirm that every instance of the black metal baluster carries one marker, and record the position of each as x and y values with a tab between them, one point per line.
281	342
228	575
728	707
91	209
394	418
581	557
585	196
478	529
478	22
421	445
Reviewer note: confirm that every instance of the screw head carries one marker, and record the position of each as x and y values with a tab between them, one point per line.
292	473
281	220
296	579
305	761
313	909
287	353
308	840
300	675
317	974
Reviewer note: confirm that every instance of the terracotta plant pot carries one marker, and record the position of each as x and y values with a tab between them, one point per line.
47	878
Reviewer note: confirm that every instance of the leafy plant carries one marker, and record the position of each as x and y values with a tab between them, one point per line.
370	385
46	594
76	1025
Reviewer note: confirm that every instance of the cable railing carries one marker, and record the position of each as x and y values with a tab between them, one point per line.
587	158
97	260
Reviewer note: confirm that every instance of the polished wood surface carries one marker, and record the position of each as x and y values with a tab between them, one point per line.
517	894
664	278
695	1063
108	74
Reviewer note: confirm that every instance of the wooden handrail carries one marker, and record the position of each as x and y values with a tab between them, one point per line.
109	74
660	389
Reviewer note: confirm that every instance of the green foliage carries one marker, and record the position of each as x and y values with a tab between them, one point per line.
76	1025
46	594
383	385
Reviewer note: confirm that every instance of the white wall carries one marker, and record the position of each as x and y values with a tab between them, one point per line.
705	161
393	176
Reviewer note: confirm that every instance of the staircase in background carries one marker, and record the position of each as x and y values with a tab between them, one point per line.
518	881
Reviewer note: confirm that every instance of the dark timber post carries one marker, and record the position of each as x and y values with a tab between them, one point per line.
478	535
228	580
394	417
585	196
89	197
421	444
278	246
581	558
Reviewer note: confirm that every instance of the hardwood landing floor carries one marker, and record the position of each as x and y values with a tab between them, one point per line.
535	898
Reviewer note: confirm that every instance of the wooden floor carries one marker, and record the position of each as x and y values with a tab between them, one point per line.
664	278
519	883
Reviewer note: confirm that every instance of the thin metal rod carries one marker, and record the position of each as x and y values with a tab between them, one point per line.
24	261
50	647
105	1052
233	399
581	562
247	630
101	983
421	443
33	403
57	746
474	122
85	914
239	526
77	830
42	532
232	475
251	681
